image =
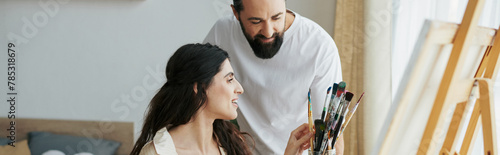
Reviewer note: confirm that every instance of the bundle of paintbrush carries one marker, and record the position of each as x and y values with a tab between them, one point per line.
334	118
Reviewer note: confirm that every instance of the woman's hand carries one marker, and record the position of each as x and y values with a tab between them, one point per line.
339	146
299	140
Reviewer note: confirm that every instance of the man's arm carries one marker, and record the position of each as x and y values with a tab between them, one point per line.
328	71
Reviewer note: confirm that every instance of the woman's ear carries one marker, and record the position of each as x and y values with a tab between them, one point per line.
195	88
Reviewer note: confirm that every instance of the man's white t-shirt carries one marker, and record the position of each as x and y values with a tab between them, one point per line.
274	102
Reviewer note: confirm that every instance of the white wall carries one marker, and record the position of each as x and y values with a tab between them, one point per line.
320	11
104	60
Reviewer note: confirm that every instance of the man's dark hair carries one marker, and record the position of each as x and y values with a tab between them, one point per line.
238	5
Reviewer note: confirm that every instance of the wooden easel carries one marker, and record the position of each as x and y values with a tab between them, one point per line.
452	86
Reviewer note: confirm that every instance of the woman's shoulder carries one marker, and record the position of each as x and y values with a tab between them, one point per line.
162	143
148	149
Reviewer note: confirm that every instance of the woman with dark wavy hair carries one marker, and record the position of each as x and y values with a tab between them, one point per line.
192	108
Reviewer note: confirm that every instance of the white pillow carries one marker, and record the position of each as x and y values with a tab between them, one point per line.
57	152
53	152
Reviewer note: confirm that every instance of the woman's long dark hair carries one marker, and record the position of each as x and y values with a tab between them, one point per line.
176	102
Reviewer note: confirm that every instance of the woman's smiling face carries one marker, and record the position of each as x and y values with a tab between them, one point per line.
223	94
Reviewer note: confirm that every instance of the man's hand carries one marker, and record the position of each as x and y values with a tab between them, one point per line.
299	140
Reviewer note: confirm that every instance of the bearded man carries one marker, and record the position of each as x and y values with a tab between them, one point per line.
277	56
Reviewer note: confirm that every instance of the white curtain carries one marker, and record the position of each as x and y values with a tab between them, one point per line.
408	17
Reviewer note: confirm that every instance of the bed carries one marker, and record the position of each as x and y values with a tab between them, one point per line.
86	136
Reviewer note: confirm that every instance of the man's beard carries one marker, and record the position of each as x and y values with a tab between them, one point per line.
264	50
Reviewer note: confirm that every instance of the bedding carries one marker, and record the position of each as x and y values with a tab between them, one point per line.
78	137
40	142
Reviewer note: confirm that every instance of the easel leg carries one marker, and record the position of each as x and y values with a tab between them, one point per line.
488	116
470	134
484	63
494	54
454	129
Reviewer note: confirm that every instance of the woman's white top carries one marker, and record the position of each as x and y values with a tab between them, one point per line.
163	144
